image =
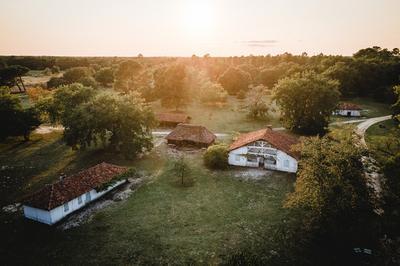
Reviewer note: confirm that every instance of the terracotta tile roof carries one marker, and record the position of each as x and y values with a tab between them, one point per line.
192	133
173	117
58	193
279	140
348	106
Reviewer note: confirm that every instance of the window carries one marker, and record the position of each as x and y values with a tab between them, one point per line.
87	197
286	163
66	207
80	200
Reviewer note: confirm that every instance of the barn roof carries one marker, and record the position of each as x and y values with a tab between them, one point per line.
348	106
279	140
172	117
69	188
193	133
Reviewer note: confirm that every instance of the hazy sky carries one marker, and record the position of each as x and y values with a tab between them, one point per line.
186	27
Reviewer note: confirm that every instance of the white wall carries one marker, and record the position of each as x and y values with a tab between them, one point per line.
240	153
344	112
58	213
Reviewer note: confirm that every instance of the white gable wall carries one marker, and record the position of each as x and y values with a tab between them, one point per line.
238	157
345	112
58	213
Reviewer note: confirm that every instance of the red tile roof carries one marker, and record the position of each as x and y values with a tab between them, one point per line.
173	117
192	133
279	140
69	188
348	106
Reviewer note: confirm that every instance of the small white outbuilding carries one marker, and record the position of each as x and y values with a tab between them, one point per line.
348	109
55	201
265	148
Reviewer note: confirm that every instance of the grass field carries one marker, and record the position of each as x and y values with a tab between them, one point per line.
162	222
229	118
379	133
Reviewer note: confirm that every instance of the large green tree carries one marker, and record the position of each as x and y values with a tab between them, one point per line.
14	119
306	101
235	81
105	76
169	86
122	123
12	76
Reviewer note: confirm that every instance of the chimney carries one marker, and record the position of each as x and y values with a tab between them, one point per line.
62	176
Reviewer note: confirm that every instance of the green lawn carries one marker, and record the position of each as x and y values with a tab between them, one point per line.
379	133
162	222
226	119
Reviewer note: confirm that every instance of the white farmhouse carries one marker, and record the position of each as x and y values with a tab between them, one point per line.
348	109
265	148
53	202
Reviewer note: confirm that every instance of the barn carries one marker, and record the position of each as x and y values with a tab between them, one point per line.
172	119
348	109
265	148
191	135
55	201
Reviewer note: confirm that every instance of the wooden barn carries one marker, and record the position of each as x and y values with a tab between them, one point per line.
172	119
191	135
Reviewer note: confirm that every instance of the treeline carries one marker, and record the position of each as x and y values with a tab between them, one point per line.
369	72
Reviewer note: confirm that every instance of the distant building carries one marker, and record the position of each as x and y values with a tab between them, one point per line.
53	202
348	109
191	135
172	119
265	148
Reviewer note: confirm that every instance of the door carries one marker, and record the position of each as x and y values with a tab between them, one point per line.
348	113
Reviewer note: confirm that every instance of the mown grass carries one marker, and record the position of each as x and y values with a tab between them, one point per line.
380	133
229	118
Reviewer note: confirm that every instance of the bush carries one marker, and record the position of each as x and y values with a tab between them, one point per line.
55	82
216	156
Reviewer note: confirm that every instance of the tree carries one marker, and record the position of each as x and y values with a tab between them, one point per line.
14	120
212	93
76	74
66	99
88	81
396	105
105	76
331	186
346	75
121	122
235	81
55	82
12	76
169	86
306	101
257	104
216	156
126	75
181	168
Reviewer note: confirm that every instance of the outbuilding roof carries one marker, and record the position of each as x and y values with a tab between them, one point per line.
56	194
173	117
192	133
348	106
279	140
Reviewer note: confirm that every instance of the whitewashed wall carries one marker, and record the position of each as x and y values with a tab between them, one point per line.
344	112
238	157
58	213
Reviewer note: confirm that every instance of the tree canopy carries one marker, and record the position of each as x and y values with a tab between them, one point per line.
14	119
306	101
235	81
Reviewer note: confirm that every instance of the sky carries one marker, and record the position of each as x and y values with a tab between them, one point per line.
186	27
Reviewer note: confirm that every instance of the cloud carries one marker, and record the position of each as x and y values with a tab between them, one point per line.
260	43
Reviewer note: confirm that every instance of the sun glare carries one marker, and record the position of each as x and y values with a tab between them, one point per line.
198	18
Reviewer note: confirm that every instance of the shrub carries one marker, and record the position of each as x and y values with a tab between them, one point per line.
216	156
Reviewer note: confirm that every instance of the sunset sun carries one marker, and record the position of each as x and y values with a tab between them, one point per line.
198	18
